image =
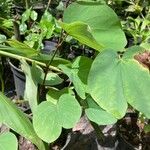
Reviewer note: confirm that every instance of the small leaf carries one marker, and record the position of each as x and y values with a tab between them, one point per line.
2	38
33	15
26	15
8	141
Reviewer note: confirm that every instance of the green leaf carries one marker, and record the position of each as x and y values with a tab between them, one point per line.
132	51
26	15
20	48
49	118
47	24
15	119
31	86
53	95
46	122
115	84
8	141
33	15
38	75
96	114
2	38
78	74
69	111
146	46
102	20
81	32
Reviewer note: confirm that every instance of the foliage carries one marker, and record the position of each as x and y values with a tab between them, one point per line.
101	86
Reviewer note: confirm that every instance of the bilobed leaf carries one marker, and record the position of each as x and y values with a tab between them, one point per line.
63	114
15	119
118	81
103	23
96	114
81	32
8	141
31	86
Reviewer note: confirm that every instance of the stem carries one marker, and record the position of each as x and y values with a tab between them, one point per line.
16	30
98	131
50	62
49	2
26	3
2	84
28	59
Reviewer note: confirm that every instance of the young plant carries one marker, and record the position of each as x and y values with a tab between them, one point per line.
101	87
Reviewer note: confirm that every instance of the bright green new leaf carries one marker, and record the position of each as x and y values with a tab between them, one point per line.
81	32
118	80
31	86
103	23
26	15
47	24
78	74
49	118
33	15
15	119
8	141
96	114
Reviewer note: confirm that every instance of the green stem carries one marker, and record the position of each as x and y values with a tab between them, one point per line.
28	59
50	62
99	133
